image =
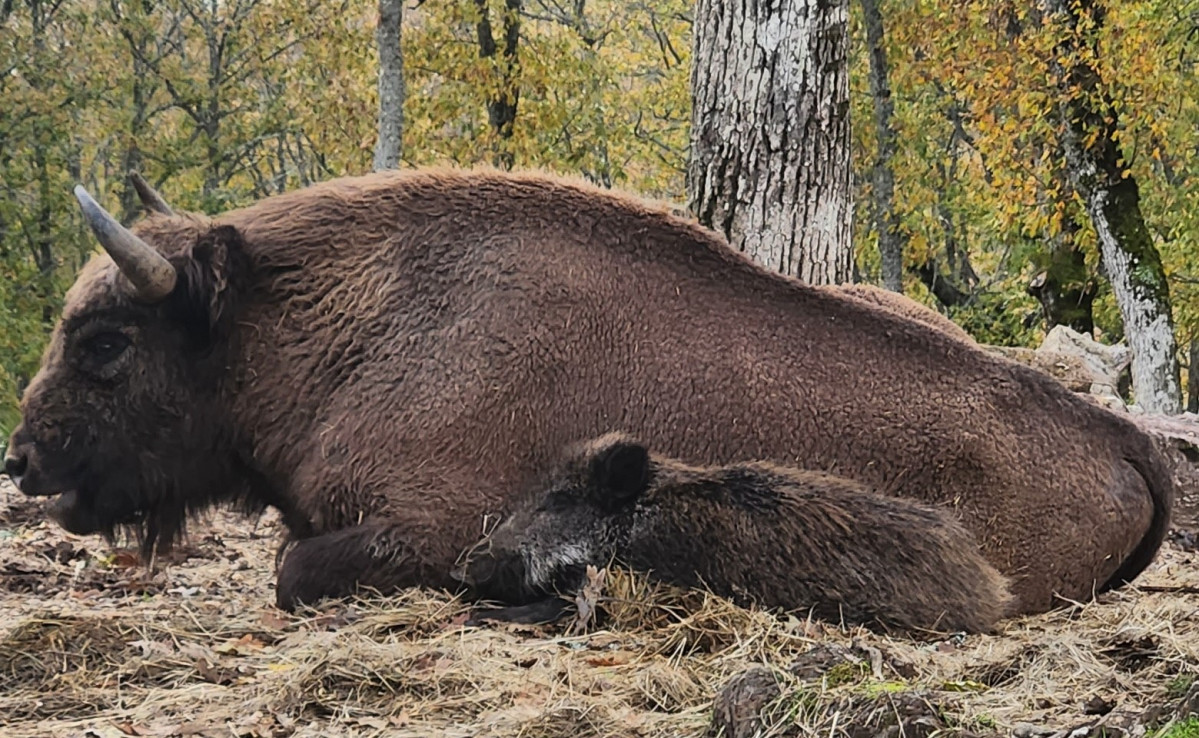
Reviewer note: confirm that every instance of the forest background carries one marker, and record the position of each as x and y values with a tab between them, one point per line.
221	103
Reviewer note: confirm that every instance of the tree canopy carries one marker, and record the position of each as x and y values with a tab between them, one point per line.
219	103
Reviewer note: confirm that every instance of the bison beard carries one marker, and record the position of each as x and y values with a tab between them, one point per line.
394	359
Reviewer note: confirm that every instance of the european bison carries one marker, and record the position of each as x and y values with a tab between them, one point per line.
758	533
904	306
390	359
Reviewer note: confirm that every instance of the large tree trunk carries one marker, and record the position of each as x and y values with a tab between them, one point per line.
770	164
1098	172
391	84
890	238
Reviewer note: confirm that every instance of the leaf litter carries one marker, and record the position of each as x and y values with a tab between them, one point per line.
92	644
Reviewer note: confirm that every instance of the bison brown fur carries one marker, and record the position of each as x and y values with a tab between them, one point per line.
391	360
755	532
903	306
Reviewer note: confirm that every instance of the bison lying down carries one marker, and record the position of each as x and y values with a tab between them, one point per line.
391	359
758	533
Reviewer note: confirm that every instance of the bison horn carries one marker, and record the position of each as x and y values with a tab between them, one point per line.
153	277
149	196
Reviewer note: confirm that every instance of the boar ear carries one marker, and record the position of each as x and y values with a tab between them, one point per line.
620	471
206	273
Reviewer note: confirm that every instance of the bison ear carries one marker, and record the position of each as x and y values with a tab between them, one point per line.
206	273
620	472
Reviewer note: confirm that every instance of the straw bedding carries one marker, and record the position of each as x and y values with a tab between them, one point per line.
91	644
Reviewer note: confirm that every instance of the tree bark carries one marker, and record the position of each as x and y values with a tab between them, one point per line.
1193	377
501	108
770	162
890	238
1100	175
957	285
133	159
1064	288
391	85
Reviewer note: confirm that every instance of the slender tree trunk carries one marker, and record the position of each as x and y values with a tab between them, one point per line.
132	161
1098	172
391	85
770	163
890	238
958	284
1193	377
131	22
1064	287
501	108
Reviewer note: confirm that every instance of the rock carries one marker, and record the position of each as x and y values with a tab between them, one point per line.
1069	370
737	709
1097	706
1077	361
1104	363
1188	706
821	658
1177	437
1185	540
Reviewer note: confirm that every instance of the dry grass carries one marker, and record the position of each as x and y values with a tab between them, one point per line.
91	645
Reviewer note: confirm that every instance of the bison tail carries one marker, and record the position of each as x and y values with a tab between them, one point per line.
1151	465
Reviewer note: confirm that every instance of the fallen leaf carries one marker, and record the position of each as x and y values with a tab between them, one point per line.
151	648
271	620
124	560
213	673
240	646
612	658
588	599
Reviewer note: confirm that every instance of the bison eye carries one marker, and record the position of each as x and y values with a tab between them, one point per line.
105	347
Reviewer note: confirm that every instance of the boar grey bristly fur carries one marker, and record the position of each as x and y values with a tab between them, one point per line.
756	532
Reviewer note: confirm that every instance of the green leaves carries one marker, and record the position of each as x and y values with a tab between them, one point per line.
976	112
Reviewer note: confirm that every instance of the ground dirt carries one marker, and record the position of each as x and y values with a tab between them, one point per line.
92	644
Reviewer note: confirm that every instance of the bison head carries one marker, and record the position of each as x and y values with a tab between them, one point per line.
122	424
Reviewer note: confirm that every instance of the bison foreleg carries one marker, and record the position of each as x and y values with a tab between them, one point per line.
338	564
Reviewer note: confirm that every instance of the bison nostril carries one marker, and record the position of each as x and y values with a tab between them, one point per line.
15	464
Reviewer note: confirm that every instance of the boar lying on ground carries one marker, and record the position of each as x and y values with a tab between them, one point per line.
755	532
390	359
